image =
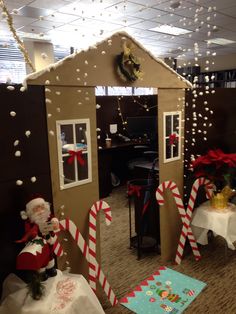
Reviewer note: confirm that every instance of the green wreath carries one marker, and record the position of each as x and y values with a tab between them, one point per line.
128	66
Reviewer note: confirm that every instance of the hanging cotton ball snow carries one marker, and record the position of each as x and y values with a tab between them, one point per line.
44	55
4	15
10	87
95	66
86	62
79	103
48	101
47	90
58	109
51	132
47	82
85	83
27	133
79	90
15	11
57	78
19	182
98	130
18	153
16	142
49	115
98	137
78	79
12	113
213	91
103	52
58	93
33	179
22	89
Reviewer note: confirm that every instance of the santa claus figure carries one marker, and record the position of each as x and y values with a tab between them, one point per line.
39	237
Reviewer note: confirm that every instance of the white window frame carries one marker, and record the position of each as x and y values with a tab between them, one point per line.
77	182
165	137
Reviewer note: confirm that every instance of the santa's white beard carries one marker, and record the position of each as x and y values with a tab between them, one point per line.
41	218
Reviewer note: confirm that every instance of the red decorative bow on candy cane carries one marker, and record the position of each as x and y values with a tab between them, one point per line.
173	139
77	155
134	189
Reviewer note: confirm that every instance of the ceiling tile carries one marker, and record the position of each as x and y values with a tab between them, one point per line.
125	7
28	11
47	24
34	30
60	17
52	4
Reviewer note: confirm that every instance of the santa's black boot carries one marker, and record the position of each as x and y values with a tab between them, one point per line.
51	272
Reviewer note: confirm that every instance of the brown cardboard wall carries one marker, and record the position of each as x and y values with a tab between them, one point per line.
169	100
72	103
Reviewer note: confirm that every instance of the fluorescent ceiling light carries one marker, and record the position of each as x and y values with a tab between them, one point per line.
220	41
171	30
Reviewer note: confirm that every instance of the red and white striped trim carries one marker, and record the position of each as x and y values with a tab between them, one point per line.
186	216
69	225
92	237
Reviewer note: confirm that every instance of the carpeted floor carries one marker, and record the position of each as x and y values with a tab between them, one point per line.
217	267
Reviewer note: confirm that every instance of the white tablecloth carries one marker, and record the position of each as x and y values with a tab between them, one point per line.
64	294
221	222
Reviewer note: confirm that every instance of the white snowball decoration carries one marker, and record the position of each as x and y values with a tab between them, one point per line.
22	89
49	115
58	109
47	90
16	142
58	93
18	153
27	133
47	82
57	78
19	182
98	137
86	62
33	179
51	132
48	101
13	113
103	52
44	55
10	87
98	106
98	130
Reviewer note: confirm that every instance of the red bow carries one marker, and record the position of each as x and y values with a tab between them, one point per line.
134	189
77	155
173	139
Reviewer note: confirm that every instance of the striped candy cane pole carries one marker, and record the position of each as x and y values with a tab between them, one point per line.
69	225
92	238
186	229
185	217
57	247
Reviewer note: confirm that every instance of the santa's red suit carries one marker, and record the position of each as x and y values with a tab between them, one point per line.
38	251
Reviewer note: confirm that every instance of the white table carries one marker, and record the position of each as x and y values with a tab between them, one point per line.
64	294
221	222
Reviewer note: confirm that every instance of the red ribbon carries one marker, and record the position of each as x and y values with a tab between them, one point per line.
134	189
75	155
173	139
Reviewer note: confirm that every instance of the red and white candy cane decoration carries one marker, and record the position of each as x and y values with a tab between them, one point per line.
92	238
185	215
69	225
57	247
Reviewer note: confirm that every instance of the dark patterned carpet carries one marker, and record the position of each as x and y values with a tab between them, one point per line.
217	268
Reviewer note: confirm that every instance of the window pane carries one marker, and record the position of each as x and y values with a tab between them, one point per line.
168	149
81	136
69	170
67	140
83	169
168	126
176	123
176	148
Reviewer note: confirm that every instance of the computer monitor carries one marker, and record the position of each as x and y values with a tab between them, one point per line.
142	126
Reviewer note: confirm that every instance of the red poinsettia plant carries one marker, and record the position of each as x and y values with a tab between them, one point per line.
216	166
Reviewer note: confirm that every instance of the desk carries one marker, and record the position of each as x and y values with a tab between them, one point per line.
115	159
221	222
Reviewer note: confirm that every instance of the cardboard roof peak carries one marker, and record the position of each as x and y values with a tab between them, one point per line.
40	77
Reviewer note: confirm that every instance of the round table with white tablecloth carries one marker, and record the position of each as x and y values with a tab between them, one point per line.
221	221
64	294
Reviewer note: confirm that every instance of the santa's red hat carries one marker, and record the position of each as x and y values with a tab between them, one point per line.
34	201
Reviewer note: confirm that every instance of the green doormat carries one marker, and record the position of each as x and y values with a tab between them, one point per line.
166	291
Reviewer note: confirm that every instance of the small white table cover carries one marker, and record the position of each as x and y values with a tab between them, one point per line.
221	222
64	294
